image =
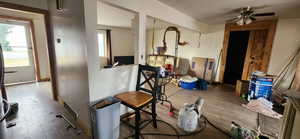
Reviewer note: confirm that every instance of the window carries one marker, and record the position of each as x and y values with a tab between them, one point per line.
102	45
15	51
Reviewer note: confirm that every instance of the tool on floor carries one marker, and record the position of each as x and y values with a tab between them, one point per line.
70	124
239	132
7	111
12	113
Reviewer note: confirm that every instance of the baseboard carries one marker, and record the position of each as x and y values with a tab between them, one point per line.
19	83
215	83
44	79
79	122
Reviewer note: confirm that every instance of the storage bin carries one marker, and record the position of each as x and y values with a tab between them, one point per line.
260	86
105	118
188	85
188	82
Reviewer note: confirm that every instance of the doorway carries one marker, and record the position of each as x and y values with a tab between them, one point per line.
259	47
236	53
15	40
39	21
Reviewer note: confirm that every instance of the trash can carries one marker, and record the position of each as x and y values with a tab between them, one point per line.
105	118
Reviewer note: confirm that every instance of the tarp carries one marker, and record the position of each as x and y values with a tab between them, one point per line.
262	106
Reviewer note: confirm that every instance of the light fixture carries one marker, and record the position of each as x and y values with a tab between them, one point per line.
240	22
248	21
59	5
244	21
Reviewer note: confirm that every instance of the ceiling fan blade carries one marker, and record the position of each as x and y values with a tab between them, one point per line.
260	7
252	18
233	19
264	14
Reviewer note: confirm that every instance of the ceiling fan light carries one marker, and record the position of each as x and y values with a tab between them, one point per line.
240	22
248	21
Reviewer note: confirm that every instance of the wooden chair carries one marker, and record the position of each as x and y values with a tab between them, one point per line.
142	97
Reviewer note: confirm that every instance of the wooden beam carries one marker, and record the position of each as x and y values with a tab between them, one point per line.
15	18
35	52
22	8
224	52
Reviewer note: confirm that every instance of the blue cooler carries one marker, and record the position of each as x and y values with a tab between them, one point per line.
189	83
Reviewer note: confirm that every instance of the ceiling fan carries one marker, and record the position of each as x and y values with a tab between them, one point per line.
248	15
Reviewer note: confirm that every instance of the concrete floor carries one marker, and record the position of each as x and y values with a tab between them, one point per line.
36	118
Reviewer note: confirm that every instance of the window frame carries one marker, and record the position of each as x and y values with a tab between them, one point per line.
103	32
29	40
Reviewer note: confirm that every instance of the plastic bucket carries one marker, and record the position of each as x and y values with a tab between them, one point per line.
188	85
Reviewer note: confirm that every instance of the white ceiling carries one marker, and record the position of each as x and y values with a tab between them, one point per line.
116	17
217	11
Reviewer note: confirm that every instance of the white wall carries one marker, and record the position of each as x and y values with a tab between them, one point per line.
42	4
208	45
103	82
112	16
40	36
286	42
197	46
114	81
121	41
161	11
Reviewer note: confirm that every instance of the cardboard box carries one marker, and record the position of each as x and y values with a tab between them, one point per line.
203	68
241	87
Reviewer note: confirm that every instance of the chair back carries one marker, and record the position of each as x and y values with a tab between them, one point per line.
1	67
150	76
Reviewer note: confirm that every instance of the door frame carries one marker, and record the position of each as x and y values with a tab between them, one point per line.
269	25
34	48
50	46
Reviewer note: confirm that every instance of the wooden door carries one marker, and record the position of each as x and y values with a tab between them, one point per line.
266	28
257	56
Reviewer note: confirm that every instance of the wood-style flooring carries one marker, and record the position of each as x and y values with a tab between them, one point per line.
221	108
36	118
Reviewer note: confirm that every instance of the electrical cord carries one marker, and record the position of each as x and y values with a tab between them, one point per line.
218	128
178	135
7	111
